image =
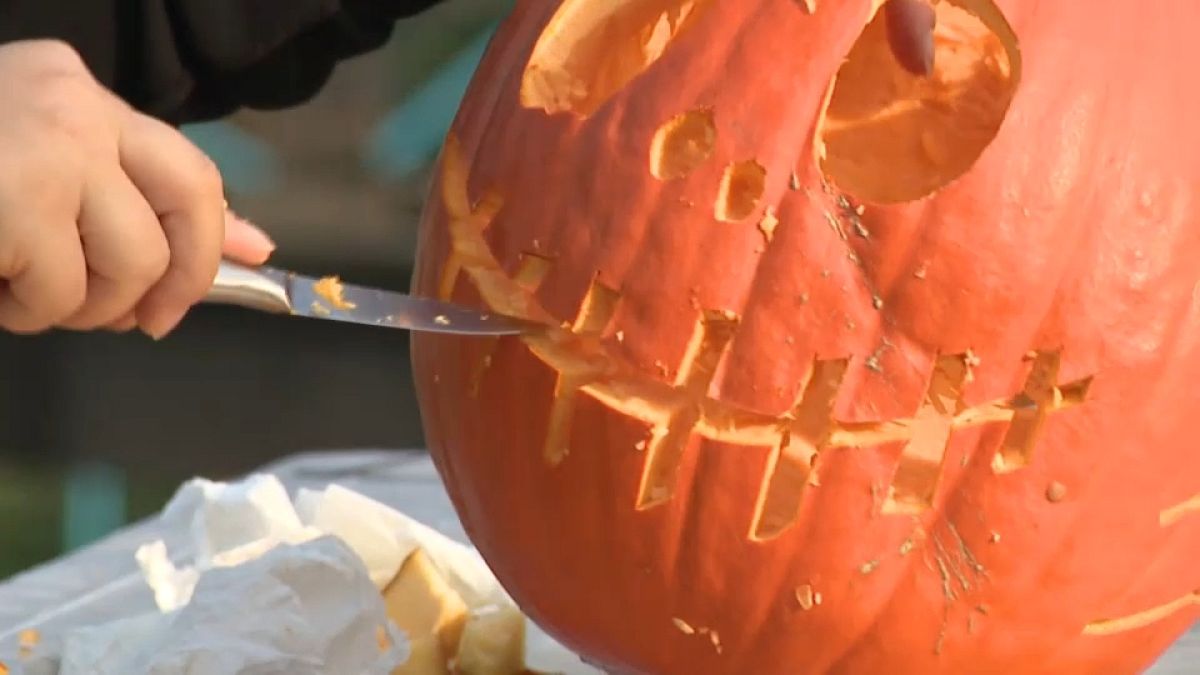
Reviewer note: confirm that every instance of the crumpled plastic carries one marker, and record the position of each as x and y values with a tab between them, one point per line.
273	586
304	609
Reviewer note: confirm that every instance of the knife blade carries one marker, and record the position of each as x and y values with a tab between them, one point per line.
279	291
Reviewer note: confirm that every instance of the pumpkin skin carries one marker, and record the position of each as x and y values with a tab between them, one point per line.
805	409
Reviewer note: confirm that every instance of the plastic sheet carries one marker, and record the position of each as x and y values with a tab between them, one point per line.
96	603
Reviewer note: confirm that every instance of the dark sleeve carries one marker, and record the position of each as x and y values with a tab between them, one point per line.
192	60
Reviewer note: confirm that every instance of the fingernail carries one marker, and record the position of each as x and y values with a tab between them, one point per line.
252	234
910	26
162	323
244	242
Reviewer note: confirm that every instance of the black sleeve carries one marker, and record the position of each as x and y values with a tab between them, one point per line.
192	60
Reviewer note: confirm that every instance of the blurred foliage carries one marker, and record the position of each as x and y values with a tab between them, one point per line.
31	501
415	51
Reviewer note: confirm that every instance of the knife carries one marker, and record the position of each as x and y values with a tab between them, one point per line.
278	291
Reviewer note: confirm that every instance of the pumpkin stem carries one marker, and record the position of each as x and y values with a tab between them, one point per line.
910	25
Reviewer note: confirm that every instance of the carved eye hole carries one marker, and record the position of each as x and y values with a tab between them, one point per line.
889	135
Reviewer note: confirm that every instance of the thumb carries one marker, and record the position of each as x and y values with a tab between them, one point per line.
244	242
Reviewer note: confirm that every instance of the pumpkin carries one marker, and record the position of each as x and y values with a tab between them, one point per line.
853	362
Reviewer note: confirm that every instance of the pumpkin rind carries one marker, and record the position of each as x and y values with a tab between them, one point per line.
777	427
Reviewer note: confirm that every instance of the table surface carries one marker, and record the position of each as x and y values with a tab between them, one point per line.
102	582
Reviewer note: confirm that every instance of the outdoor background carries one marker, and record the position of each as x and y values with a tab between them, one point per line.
98	430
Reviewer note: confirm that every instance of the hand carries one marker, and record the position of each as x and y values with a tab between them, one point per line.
108	218
910	25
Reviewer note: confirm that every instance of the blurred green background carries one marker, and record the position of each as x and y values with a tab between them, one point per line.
99	430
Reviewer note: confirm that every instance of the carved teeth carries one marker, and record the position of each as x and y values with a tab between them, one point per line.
679	412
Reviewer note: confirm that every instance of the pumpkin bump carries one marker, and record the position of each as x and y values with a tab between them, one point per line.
855	359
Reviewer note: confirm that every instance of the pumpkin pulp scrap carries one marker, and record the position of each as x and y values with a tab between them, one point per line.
330	289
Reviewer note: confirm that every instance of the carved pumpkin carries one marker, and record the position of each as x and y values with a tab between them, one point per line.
850	369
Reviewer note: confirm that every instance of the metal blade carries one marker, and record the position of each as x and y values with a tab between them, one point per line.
336	301
278	291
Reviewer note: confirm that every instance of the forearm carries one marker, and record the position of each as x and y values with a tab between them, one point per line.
186	60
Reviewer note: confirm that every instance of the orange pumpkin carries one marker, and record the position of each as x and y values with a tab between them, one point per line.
849	369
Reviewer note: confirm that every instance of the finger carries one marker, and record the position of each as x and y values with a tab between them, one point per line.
51	282
244	242
123	324
910	25
184	188
125	249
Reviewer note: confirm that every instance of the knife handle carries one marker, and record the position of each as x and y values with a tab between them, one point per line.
260	288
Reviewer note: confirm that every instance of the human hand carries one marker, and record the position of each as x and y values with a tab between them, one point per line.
108	218
910	25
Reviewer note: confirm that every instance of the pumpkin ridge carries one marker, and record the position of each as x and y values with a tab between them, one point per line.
1118	621
1114	624
1061	545
926	522
938	515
